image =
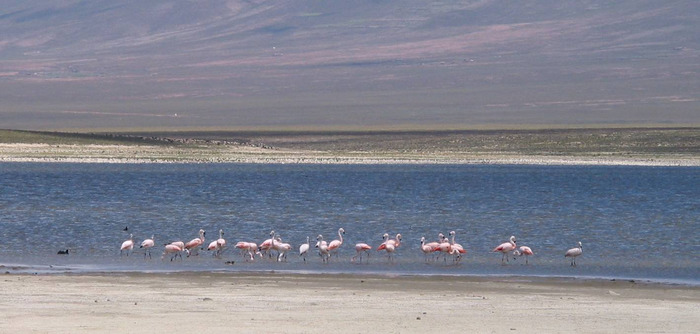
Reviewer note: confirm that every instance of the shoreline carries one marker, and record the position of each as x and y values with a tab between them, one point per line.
318	159
342	161
297	303
67	269
566	146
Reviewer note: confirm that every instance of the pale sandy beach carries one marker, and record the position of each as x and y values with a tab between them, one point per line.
523	145
245	154
283	303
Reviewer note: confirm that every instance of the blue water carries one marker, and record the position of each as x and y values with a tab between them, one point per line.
634	222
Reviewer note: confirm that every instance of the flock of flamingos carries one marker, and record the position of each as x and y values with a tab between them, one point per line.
275	248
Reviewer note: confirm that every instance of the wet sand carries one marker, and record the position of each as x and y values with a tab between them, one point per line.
286	303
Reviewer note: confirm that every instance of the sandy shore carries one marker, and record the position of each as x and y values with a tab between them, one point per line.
256	155
282	303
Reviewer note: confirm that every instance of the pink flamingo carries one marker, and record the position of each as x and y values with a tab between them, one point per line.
249	248
174	249
360	248
390	245
180	244
523	250
213	246
195	243
266	246
506	248
217	245
127	245
427	248
147	244
573	253
435	244
444	246
334	245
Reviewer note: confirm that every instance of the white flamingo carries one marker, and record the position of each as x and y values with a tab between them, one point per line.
221	241
127	246
323	251
282	249
456	249
147	244
573	253
304	248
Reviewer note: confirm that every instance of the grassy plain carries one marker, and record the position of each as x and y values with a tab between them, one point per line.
529	145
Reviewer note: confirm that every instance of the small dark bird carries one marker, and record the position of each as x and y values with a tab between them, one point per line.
63	252
126	228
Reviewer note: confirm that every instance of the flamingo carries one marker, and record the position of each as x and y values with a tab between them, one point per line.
304	248
214	246
334	245
266	246
456	249
195	243
444	246
435	244
426	248
323	249
147	244
385	238
249	248
221	241
523	250
217	245
360	248
390	245
180	244
506	248
396	241
573	253
174	249
282	249
127	245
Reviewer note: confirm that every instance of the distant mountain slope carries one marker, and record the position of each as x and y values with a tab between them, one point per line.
245	63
